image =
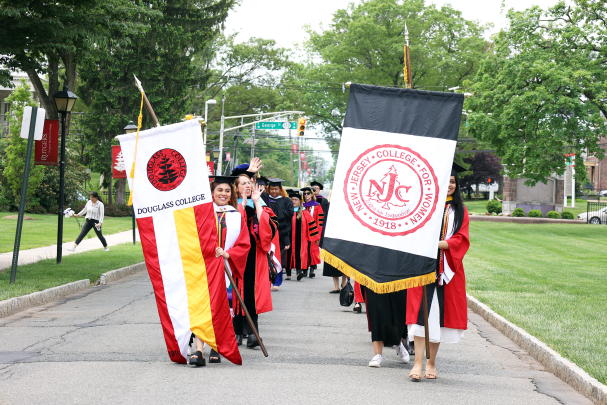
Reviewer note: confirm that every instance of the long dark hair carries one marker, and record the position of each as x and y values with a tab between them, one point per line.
234	196
458	206
96	195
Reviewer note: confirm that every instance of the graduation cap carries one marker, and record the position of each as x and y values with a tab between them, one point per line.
456	168
262	181
224	179
275	182
315	183
243	169
293	193
307	189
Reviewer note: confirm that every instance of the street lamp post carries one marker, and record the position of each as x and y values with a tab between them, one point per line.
206	113
129	129
64	100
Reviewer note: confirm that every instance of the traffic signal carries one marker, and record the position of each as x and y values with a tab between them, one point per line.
301	126
489	180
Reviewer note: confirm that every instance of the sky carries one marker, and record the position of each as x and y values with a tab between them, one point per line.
283	20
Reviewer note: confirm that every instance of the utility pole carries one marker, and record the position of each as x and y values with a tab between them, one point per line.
253	141
223	101
291	154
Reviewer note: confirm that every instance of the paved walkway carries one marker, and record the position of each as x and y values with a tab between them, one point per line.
106	346
50	252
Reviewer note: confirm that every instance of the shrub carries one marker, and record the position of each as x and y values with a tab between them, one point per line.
494	207
35	209
518	212
535	214
567	215
553	215
118	210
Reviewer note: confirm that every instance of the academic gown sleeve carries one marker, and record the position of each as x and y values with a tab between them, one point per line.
314	234
264	235
239	252
288	213
456	307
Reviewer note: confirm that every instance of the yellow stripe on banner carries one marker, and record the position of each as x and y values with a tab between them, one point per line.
194	269
379	288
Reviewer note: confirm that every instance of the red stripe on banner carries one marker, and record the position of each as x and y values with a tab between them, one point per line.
150	253
218	295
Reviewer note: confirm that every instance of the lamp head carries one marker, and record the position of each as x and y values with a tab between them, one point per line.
65	100
129	129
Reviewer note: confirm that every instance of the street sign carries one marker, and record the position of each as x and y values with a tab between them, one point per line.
276	125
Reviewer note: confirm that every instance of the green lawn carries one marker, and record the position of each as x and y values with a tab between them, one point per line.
87	265
43	231
549	279
478	206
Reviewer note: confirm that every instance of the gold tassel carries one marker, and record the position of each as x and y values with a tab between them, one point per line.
379	288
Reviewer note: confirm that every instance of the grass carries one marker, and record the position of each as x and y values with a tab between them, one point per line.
478	206
548	279
43	231
87	265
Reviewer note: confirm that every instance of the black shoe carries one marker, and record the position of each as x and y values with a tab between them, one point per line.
300	275
409	347
312	275
214	357
199	361
357	307
239	340
252	342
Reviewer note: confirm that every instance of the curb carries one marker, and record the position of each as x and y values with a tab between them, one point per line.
524	220
555	363
17	304
120	273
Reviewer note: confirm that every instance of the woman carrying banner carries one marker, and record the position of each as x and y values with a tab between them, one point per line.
94	218
305	233
318	215
447	307
254	285
234	244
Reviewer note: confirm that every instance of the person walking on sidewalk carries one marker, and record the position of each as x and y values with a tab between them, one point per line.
94	218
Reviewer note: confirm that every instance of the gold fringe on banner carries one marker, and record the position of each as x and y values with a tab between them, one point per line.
379	288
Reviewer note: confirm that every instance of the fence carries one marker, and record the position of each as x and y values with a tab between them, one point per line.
596	213
105	196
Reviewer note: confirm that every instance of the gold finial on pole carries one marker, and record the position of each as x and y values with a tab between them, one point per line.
407	59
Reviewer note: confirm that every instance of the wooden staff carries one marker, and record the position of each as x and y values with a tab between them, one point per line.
147	102
246	311
425	304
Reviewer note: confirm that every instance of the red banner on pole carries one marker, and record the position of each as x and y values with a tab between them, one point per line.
46	149
302	156
309	170
228	156
118	165
305	165
294	147
211	166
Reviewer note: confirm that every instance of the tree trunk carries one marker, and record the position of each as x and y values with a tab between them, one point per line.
477	193
48	103
109	192
120	191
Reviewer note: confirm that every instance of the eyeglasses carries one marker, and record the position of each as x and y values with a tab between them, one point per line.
307	193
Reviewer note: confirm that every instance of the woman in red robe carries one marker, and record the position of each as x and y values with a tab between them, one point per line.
254	284
233	244
304	234
316	212
447	307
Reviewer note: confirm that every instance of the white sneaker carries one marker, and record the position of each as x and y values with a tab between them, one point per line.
402	353
376	361
107	249
72	249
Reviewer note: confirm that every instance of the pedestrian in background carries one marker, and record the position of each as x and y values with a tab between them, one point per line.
316	212
94	212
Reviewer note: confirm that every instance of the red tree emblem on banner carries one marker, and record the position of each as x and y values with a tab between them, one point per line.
166	169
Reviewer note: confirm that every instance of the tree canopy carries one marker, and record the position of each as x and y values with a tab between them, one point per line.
543	93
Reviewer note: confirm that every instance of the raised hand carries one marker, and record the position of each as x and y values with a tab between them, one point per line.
255	165
256	193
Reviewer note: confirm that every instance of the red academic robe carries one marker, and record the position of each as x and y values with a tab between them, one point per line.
309	233
239	252
319	218
456	306
263	239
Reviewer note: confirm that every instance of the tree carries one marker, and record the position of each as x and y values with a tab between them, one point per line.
162	59
543	93
16	149
364	44
48	40
483	166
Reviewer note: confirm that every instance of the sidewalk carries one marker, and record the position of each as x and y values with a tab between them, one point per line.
50	252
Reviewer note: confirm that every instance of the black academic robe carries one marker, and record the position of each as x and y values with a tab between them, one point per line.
285	216
324	204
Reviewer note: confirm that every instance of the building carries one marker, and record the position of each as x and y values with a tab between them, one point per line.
597	169
5	107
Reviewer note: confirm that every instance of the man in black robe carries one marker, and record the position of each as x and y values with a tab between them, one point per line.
284	217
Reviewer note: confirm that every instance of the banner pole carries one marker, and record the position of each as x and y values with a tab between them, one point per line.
26	174
426	333
246	311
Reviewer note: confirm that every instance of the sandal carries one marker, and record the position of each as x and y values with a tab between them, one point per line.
214	357
197	359
430	373
334	292
274	288
357	307
415	375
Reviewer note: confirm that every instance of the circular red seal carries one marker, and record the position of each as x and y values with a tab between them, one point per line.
166	169
391	189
